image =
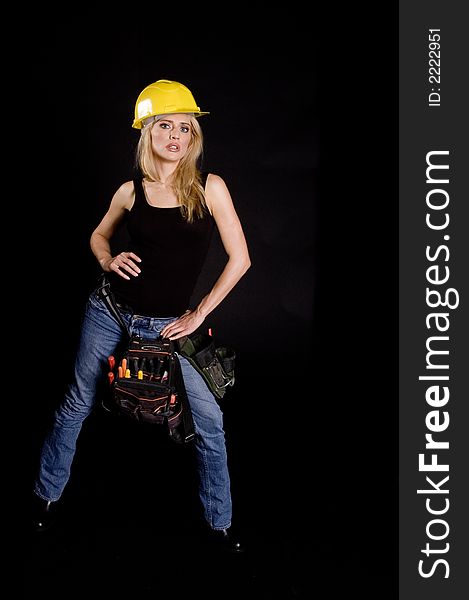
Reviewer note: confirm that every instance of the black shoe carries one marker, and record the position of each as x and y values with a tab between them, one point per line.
226	540
43	513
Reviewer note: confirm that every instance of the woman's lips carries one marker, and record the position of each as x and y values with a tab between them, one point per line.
173	147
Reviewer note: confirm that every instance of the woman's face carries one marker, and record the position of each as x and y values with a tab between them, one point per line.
170	137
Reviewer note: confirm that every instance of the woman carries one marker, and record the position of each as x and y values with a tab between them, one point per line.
170	213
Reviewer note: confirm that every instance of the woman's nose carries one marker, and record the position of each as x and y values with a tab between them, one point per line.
174	134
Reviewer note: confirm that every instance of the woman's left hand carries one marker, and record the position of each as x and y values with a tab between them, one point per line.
184	325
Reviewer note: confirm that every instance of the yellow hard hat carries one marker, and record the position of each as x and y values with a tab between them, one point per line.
164	97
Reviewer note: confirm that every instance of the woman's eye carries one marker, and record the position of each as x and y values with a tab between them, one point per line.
164	125
185	129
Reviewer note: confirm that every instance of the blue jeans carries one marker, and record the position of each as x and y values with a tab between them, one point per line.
100	335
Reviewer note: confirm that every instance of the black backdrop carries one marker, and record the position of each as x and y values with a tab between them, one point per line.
303	129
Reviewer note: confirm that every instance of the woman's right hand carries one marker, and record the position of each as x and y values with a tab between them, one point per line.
123	263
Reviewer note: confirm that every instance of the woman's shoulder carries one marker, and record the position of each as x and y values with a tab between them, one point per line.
215	183
214	180
127	187
216	192
125	194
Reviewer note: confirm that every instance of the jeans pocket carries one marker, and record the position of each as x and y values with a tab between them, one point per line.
96	302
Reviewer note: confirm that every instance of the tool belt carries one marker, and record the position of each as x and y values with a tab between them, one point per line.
147	386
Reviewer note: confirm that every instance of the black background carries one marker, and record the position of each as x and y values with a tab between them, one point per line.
303	128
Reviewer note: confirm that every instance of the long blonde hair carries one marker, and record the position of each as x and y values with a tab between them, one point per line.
186	180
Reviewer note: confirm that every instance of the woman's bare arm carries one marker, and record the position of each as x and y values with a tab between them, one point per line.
101	236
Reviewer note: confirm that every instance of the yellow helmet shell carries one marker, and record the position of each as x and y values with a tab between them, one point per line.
164	97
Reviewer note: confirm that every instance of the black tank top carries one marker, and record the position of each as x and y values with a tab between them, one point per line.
173	252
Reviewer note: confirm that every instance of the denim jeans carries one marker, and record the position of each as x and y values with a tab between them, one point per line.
100	335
